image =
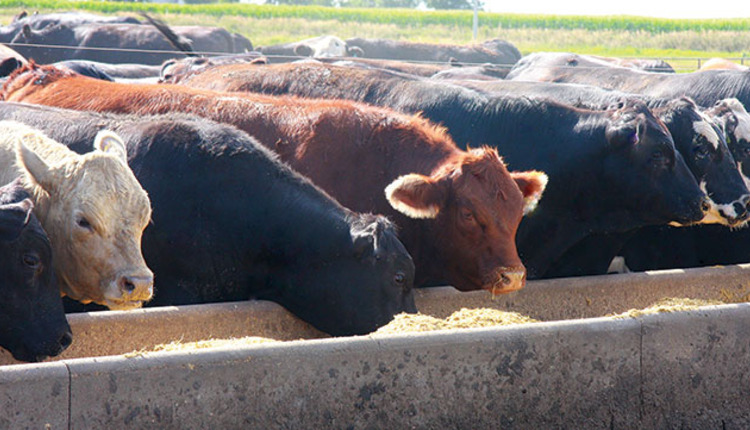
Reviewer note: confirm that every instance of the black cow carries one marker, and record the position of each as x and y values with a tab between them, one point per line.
485	72
705	88
115	43
493	51
231	222
96	69
32	322
666	248
38	21
601	181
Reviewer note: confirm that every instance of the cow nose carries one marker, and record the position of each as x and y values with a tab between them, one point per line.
141	286
65	340
508	281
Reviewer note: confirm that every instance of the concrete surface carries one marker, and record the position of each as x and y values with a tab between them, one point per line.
34	396
664	371
685	370
118	332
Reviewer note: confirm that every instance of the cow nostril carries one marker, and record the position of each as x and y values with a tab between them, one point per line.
127	285
740	209
66	339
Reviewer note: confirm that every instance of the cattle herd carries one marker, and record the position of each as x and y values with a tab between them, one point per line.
151	165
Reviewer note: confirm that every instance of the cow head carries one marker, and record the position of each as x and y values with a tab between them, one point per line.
32	321
474	206
704	148
734	121
644	173
95	212
370	280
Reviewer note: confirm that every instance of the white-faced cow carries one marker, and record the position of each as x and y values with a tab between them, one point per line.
93	210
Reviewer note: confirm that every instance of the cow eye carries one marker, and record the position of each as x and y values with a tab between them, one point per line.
399	278
700	151
467	215
31	259
658	158
84	223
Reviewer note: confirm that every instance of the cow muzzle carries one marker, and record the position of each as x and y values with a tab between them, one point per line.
506	280
130	292
729	214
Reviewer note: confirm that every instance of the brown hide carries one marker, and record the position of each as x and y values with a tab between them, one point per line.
355	152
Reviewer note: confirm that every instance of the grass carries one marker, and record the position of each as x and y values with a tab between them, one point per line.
680	42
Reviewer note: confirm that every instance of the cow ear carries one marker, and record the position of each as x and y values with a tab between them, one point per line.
416	196
363	244
532	185
20	16
109	142
36	169
13	218
355	51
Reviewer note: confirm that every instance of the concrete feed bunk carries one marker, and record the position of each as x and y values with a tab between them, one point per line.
654	371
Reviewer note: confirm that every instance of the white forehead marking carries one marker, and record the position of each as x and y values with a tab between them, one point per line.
743	119
704	127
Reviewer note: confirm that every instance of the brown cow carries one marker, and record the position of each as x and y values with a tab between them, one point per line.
458	211
93	209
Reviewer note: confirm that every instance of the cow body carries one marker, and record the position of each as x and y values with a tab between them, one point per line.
116	43
32	321
38	21
514	126
494	51
93	210
416	69
705	88
437	193
231	222
113	71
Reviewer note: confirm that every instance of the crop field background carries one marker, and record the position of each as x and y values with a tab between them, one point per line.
683	43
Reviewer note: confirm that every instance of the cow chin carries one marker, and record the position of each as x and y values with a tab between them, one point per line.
506	280
122	305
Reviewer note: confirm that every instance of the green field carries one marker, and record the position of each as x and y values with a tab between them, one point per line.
680	42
